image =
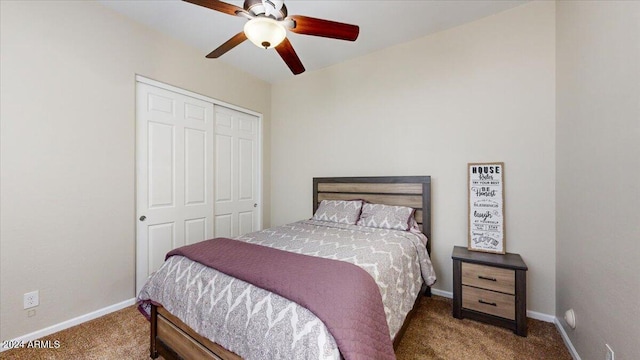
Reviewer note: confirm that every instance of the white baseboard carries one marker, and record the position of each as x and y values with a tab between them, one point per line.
447	294
532	314
69	323
541	316
567	341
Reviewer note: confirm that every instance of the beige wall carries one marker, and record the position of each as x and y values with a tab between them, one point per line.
484	91
67	146
598	175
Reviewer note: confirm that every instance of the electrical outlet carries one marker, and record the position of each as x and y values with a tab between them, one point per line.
31	299
610	354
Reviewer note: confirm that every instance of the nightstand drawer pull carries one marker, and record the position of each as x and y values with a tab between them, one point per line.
487	303
487	278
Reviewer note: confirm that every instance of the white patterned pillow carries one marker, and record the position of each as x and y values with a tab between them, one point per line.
385	216
340	211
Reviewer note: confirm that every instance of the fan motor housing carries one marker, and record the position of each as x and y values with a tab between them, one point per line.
257	8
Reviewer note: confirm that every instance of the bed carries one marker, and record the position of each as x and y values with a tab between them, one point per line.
243	317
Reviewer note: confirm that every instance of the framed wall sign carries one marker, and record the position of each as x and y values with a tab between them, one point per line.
486	207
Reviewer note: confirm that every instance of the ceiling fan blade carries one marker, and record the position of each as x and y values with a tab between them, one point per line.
325	28
218	6
290	57
230	44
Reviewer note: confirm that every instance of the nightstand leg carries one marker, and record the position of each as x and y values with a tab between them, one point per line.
521	303
457	289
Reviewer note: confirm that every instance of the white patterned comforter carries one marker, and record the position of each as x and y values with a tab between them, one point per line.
257	324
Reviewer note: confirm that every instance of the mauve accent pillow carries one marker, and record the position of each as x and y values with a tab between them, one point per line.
340	211
385	216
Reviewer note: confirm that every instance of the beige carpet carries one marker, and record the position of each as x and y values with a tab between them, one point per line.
435	334
432	334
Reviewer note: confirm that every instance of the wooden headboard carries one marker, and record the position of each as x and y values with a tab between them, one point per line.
412	191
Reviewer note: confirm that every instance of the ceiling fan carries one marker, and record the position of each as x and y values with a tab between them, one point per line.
268	24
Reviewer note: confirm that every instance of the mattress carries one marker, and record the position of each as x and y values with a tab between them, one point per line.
257	324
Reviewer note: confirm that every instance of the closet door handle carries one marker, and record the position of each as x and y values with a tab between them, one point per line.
143	218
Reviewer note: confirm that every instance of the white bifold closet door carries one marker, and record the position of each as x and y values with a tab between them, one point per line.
236	173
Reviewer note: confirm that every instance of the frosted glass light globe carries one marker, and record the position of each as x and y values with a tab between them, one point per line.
265	32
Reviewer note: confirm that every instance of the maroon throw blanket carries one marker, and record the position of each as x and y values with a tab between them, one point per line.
342	295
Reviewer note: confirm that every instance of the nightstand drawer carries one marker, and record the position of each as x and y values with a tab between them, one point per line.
488	277
489	302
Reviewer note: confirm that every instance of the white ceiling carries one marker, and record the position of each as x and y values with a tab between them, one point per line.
382	24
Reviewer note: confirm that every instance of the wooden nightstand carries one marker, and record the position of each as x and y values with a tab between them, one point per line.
491	288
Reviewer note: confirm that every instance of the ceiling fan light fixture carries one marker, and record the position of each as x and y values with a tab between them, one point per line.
265	32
